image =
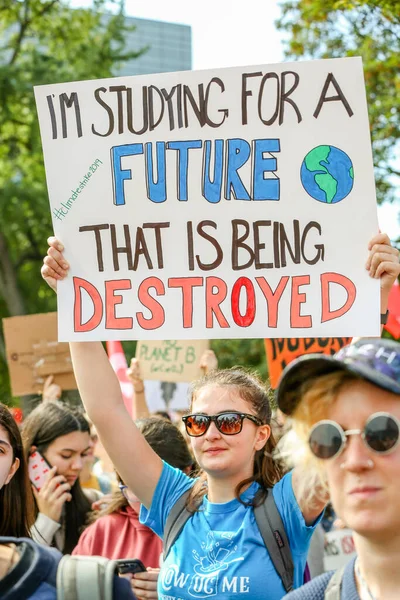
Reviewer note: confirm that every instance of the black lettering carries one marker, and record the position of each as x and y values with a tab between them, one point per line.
213	241
238	242
68	102
285	95
246	93
127	249
340	96
109	112
97	237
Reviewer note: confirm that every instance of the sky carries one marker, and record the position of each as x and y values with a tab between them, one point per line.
228	34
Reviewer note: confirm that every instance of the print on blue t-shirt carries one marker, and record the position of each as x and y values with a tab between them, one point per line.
220	552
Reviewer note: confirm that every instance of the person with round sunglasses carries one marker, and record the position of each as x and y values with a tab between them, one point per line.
346	412
219	551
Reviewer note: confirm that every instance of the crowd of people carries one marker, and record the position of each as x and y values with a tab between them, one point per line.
229	504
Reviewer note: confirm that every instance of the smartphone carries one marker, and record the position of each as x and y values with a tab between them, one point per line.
37	469
130	565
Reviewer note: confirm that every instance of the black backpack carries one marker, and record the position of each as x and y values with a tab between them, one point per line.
269	523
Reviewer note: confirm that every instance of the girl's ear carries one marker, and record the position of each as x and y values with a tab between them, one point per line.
13	469
263	435
33	449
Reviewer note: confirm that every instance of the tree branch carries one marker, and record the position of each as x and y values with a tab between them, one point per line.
25	24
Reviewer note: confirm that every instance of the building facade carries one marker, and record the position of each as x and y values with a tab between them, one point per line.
169	47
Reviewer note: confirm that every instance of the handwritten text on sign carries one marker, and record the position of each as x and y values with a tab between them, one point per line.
213	204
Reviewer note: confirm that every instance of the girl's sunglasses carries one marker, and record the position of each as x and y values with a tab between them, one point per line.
380	434
228	423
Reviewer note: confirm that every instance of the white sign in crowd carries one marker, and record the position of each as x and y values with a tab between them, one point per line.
228	203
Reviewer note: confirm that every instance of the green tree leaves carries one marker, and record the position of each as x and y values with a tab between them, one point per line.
367	28
41	42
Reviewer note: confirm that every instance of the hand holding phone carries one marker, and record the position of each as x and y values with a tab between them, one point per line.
130	565
37	469
51	491
144	585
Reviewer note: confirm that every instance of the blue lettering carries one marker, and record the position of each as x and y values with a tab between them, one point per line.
156	191
238	152
183	148
265	188
119	174
212	188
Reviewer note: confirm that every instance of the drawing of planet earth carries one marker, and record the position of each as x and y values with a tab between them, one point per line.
327	174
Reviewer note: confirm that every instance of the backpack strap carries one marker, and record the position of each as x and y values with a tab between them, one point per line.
272	530
175	522
85	578
334	587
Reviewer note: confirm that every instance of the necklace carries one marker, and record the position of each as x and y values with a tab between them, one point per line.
365	591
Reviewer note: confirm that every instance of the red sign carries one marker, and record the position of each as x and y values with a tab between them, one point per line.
281	351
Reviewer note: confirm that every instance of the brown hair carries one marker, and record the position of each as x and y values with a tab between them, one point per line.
250	388
16	498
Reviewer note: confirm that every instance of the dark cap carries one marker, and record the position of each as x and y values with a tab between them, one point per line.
374	359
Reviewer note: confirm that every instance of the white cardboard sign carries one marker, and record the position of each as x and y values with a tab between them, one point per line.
232	203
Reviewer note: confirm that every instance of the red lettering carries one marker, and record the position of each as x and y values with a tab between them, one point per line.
326	280
296	319
246	319
272	298
213	300
157	312
187	284
112	299
95	297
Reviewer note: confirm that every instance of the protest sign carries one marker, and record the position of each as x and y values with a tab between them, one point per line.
280	352
235	191
33	353
172	397
339	549
171	360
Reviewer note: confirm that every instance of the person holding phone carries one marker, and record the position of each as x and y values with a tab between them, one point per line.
220	546
16	502
57	438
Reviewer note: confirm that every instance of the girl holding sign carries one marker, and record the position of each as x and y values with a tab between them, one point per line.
220	551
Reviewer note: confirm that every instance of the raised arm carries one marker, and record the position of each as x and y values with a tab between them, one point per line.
139	466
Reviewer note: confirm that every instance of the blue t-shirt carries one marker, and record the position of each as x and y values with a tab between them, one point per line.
220	552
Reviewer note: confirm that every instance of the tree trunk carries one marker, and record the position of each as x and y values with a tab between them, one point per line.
8	281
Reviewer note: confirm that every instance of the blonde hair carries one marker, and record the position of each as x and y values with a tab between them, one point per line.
316	395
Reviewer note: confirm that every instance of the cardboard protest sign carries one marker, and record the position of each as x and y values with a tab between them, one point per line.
234	191
33	353
339	549
280	352
170	396
171	360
